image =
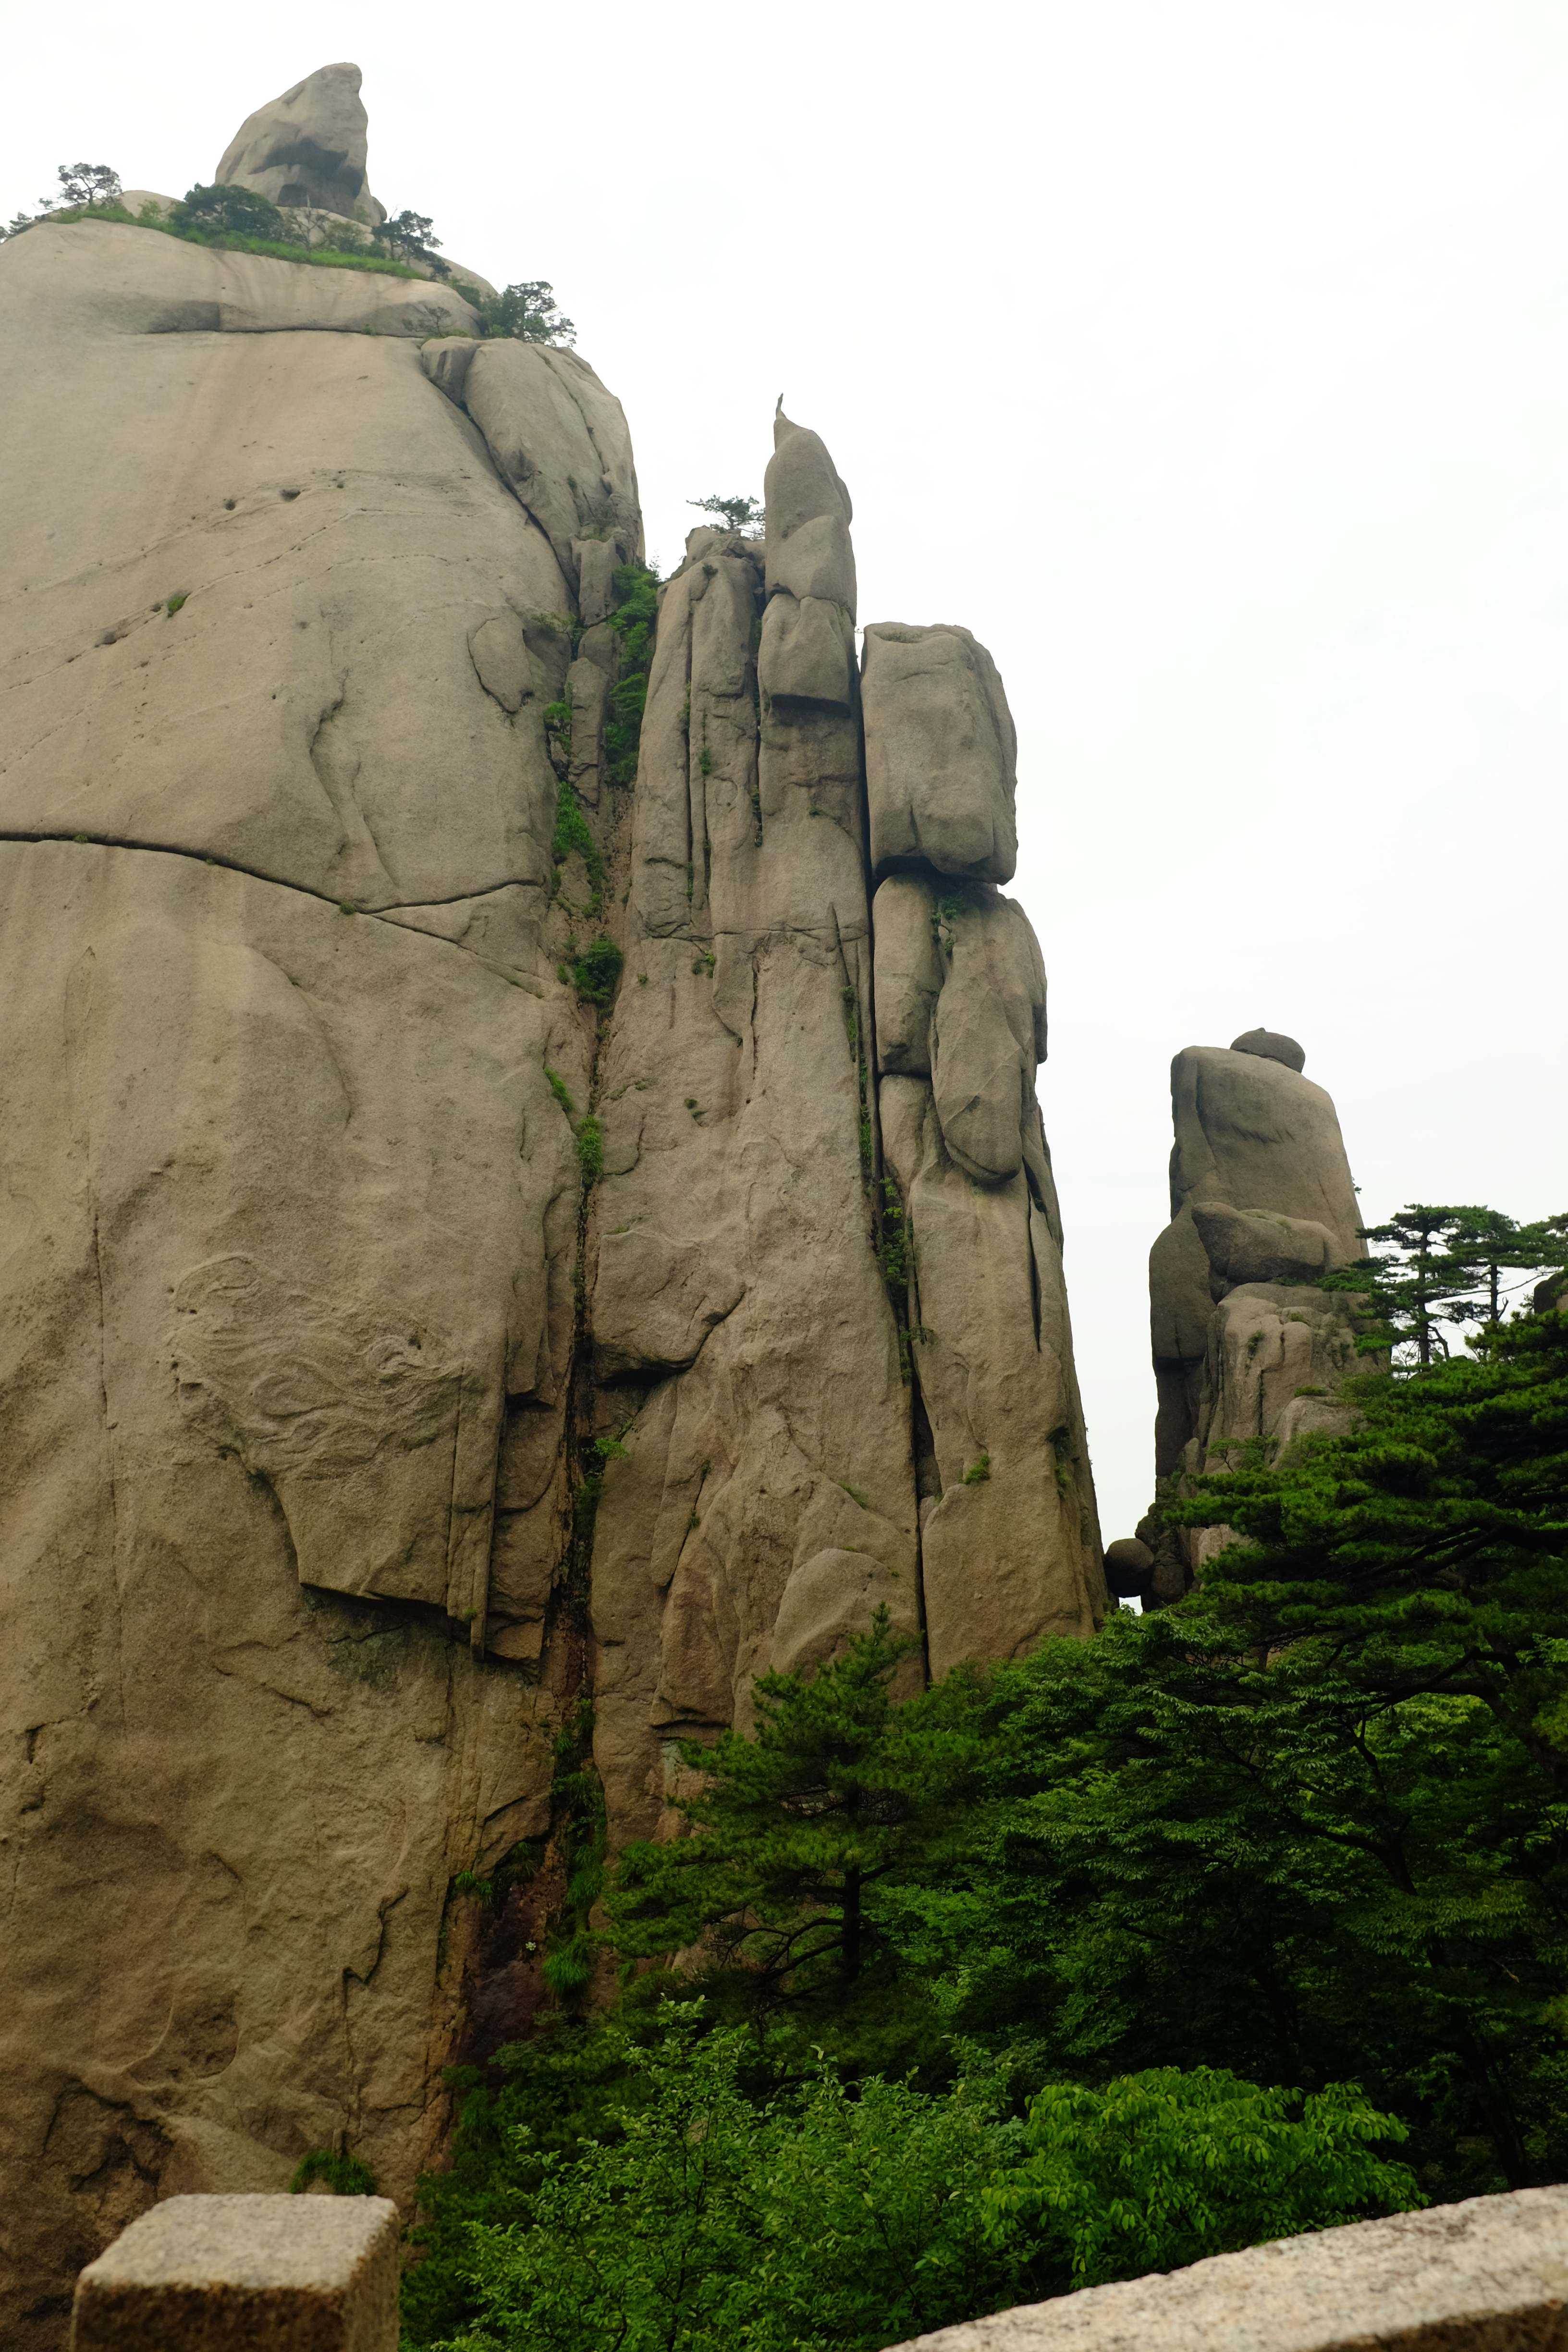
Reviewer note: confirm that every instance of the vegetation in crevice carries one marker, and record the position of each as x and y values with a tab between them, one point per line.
573	837
558	734
862	1083
634	618
590	1149
595	974
577	1828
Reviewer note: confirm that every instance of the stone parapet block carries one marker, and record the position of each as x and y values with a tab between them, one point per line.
246	2274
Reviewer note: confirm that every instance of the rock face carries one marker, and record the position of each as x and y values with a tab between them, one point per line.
1261	1204
307	147
403	1345
291	1217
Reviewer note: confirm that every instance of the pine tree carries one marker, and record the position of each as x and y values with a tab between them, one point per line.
84	184
799	1831
527	313
736	514
1435	1265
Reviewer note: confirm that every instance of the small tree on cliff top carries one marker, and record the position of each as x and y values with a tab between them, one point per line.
527	313
745	514
83	184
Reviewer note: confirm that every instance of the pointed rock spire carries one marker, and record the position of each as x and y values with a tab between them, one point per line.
307	147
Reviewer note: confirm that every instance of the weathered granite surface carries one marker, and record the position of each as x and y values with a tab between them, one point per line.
290	1219
354	1435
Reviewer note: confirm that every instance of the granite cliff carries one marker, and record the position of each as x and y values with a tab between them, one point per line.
508	1235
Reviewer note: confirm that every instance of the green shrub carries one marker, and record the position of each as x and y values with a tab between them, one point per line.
409	234
571	835
345	2176
235	211
705	2206
893	1242
595	973
525	313
590	1149
1164	2169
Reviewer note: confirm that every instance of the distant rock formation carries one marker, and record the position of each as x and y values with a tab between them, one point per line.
1244	1345
308	147
413	1361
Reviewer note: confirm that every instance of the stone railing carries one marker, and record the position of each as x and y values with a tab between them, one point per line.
1489	2276
320	2275
246	2274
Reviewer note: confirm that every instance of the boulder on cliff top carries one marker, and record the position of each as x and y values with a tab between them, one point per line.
308	147
941	753
1272	1047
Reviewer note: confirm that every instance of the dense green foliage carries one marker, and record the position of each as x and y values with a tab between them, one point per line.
693	2208
1195	1934
573	836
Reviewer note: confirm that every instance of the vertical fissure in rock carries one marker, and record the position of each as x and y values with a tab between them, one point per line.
892	1232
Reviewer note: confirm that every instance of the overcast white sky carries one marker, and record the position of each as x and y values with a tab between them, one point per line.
1209	361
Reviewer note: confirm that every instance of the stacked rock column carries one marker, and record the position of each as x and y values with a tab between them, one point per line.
1246	1346
1009	1539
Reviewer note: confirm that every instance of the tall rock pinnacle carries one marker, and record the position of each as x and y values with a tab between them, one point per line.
308	147
1244	1345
